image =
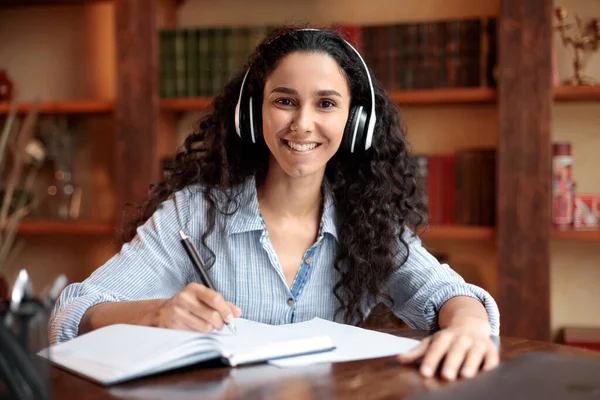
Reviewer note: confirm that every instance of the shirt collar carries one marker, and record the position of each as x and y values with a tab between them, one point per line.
247	218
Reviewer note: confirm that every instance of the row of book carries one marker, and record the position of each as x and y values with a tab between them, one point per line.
199	62
460	188
461	53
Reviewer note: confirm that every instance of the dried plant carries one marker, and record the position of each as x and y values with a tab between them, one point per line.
23	155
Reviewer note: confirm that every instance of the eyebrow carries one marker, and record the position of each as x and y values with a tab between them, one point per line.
287	90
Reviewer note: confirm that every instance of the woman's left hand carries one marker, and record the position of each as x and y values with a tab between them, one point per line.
463	347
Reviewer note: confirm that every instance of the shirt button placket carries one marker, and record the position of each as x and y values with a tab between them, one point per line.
290	313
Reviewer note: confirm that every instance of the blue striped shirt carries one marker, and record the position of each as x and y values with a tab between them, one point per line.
247	271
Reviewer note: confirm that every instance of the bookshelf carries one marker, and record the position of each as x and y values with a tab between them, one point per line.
522	120
52	227
63	107
523	136
58	58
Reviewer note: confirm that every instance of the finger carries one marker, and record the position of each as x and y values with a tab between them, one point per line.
474	359
186	321
437	349
492	358
190	303
237	312
214	300
455	357
415	353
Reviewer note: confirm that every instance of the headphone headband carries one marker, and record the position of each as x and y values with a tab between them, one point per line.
371	116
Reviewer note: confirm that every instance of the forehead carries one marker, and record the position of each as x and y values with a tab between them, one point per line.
308	70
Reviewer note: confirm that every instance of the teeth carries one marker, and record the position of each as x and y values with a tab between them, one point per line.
301	147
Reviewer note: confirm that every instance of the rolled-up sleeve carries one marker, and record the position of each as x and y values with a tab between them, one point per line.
421	286
153	265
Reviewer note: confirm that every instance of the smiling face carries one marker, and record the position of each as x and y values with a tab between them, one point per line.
305	108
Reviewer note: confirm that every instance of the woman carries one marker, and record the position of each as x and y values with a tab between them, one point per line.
298	190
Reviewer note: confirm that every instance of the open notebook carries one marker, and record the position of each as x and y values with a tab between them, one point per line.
122	352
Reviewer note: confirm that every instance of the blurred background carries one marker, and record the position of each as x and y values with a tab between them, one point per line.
118	84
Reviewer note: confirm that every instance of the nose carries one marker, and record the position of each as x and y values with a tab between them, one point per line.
304	120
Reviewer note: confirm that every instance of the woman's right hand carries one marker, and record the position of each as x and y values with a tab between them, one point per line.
195	308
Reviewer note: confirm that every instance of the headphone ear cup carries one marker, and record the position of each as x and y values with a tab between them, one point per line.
354	132
256	121
347	137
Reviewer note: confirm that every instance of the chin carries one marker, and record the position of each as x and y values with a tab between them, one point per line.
299	174
302	172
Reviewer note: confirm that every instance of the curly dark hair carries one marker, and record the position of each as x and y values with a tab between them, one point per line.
375	193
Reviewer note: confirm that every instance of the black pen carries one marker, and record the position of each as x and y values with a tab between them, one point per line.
198	263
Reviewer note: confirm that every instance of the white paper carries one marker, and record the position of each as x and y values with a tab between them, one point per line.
351	343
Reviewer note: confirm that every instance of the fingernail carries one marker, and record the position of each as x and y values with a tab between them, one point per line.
467	372
229	318
426	371
448	375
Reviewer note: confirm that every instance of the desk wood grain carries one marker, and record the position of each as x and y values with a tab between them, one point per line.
381	378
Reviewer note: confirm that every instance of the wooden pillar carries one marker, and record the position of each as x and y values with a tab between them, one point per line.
137	103
524	170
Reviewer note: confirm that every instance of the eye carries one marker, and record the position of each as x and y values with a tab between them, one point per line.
327	104
284	102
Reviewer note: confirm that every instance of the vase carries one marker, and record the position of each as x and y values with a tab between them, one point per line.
6	87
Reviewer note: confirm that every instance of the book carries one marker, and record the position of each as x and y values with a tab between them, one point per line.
588	338
122	352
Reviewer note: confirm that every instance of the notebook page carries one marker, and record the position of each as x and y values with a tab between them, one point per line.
118	350
351	343
257	342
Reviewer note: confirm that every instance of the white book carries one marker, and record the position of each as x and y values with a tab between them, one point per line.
122	352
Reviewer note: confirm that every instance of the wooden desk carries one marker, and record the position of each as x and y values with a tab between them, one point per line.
369	379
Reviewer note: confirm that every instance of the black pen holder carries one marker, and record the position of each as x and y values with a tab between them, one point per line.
23	333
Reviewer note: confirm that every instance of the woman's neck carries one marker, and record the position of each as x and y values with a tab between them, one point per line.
282	196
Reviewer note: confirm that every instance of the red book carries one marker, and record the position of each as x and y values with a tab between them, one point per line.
352	33
435	192
448	189
588	338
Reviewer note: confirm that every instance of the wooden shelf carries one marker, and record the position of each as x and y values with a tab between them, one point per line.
458	232
63	107
577	93
409	97
185	103
582	236
30	3
444	96
65	227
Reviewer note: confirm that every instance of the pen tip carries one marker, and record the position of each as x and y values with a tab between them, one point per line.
183	235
